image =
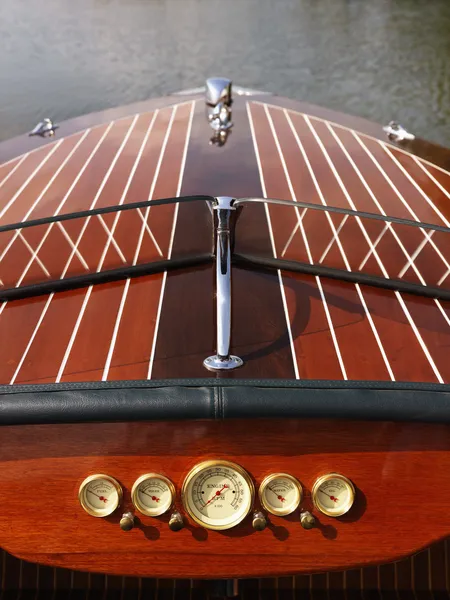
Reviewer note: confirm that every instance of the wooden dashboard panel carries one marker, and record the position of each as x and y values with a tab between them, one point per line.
401	472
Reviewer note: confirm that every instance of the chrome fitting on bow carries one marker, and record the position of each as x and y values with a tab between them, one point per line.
397	132
218	108
45	128
223	360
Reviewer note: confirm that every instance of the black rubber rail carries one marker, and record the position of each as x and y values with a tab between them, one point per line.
103	211
343	211
185	399
81	281
250	262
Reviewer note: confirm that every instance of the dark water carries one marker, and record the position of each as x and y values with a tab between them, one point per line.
380	59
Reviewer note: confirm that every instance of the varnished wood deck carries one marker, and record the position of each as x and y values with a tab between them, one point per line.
162	326
284	325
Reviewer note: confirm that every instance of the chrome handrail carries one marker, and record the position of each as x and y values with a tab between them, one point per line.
343	211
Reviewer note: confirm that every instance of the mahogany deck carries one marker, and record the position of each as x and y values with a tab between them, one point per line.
283	326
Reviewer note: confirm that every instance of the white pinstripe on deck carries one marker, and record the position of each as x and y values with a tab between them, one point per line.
65	198
29	179
403	305
272	241
172	236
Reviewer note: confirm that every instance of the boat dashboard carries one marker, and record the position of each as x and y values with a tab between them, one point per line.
223	479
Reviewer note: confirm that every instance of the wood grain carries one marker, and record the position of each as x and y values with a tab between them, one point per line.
283	326
399	471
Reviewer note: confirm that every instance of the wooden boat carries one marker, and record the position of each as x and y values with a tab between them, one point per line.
316	391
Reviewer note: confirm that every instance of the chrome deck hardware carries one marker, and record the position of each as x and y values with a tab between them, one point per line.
397	132
223	360
218	108
45	128
218	89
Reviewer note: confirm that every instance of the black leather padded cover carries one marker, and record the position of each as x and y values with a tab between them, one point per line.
223	399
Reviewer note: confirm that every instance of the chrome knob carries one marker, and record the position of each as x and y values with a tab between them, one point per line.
176	521
127	521
307	520
259	521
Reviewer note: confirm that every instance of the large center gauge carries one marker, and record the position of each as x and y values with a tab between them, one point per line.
218	494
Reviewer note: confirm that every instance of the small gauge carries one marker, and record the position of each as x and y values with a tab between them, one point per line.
100	495
280	494
333	494
218	494
153	494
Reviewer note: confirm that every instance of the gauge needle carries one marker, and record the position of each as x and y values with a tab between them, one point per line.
155	498
280	498
102	498
330	497
217	494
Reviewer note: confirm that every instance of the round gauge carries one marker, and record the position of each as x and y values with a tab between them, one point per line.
218	494
100	495
333	494
153	494
280	494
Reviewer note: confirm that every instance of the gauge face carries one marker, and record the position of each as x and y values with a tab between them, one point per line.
333	494
153	494
100	495
218	494
280	493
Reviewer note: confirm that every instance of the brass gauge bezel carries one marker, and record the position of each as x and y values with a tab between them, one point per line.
100	513
152	512
280	512
346	507
207	464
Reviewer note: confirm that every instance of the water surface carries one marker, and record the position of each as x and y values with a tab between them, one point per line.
380	59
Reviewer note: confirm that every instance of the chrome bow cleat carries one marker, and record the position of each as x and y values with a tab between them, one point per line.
45	128
397	132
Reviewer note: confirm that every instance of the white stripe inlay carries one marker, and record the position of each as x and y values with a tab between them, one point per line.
352	205
116	330
415	184
61	204
334	238
403	305
367	238
339	126
127	284
152	188
387	227
89	291
100	190
30	178
128	184
400	197
36	329
44	191
272	240
346	194
172	236
5	179
432	177
73	336
33	254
